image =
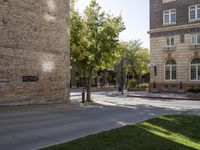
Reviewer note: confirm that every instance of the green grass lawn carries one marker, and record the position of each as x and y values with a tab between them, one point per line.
175	132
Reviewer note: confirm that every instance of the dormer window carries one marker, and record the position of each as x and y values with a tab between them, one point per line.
169	16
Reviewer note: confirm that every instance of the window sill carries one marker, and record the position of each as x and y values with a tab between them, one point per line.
194	20
169	24
169	1
169	48
170	80
194	46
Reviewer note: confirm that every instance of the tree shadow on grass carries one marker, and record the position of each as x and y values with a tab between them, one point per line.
187	126
132	137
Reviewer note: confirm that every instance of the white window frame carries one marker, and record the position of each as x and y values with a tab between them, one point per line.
174	65
170	41
167	1
170	16
197	68
196	39
196	12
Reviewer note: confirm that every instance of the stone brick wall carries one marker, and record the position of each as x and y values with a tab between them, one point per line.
181	54
34	44
157	7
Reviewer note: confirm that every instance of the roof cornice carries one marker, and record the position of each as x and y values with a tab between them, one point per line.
174	28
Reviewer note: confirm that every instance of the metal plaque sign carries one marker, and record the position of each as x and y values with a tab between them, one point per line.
30	78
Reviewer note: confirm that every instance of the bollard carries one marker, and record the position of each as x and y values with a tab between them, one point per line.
83	96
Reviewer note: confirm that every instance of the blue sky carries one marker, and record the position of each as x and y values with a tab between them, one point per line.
135	14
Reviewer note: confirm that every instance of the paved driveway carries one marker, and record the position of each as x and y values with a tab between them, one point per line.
34	129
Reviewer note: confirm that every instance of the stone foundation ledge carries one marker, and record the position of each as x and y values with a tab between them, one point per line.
34	101
194	95
171	87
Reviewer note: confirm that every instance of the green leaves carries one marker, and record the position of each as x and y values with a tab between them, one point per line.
94	36
136	59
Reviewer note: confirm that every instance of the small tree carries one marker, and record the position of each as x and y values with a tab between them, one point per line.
95	46
136	59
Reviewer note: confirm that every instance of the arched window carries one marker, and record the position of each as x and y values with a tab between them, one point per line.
170	70
195	69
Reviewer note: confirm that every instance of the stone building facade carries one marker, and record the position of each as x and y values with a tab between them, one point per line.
34	51
174	45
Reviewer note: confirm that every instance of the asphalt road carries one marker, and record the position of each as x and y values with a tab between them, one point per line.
33	129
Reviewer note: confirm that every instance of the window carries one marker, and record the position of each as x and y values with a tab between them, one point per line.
167	1
195	39
170	70
194	12
169	16
169	41
195	69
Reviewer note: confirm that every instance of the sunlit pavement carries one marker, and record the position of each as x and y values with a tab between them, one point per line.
39	128
110	99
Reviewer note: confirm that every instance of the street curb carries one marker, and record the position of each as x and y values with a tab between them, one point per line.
172	98
37	107
45	107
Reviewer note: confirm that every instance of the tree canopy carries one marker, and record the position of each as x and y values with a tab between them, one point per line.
136	59
133	60
94	39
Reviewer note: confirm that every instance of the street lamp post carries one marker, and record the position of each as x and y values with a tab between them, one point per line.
70	76
122	75
155	69
84	80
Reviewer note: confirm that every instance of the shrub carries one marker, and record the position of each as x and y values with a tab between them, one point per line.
132	84
193	90
144	86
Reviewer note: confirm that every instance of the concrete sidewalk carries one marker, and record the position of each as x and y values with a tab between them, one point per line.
160	95
94	89
144	94
141	94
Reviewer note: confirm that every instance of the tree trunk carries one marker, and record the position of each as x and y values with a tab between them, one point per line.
136	77
89	82
140	79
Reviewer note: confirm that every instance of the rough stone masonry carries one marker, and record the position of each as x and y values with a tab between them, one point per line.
34	51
